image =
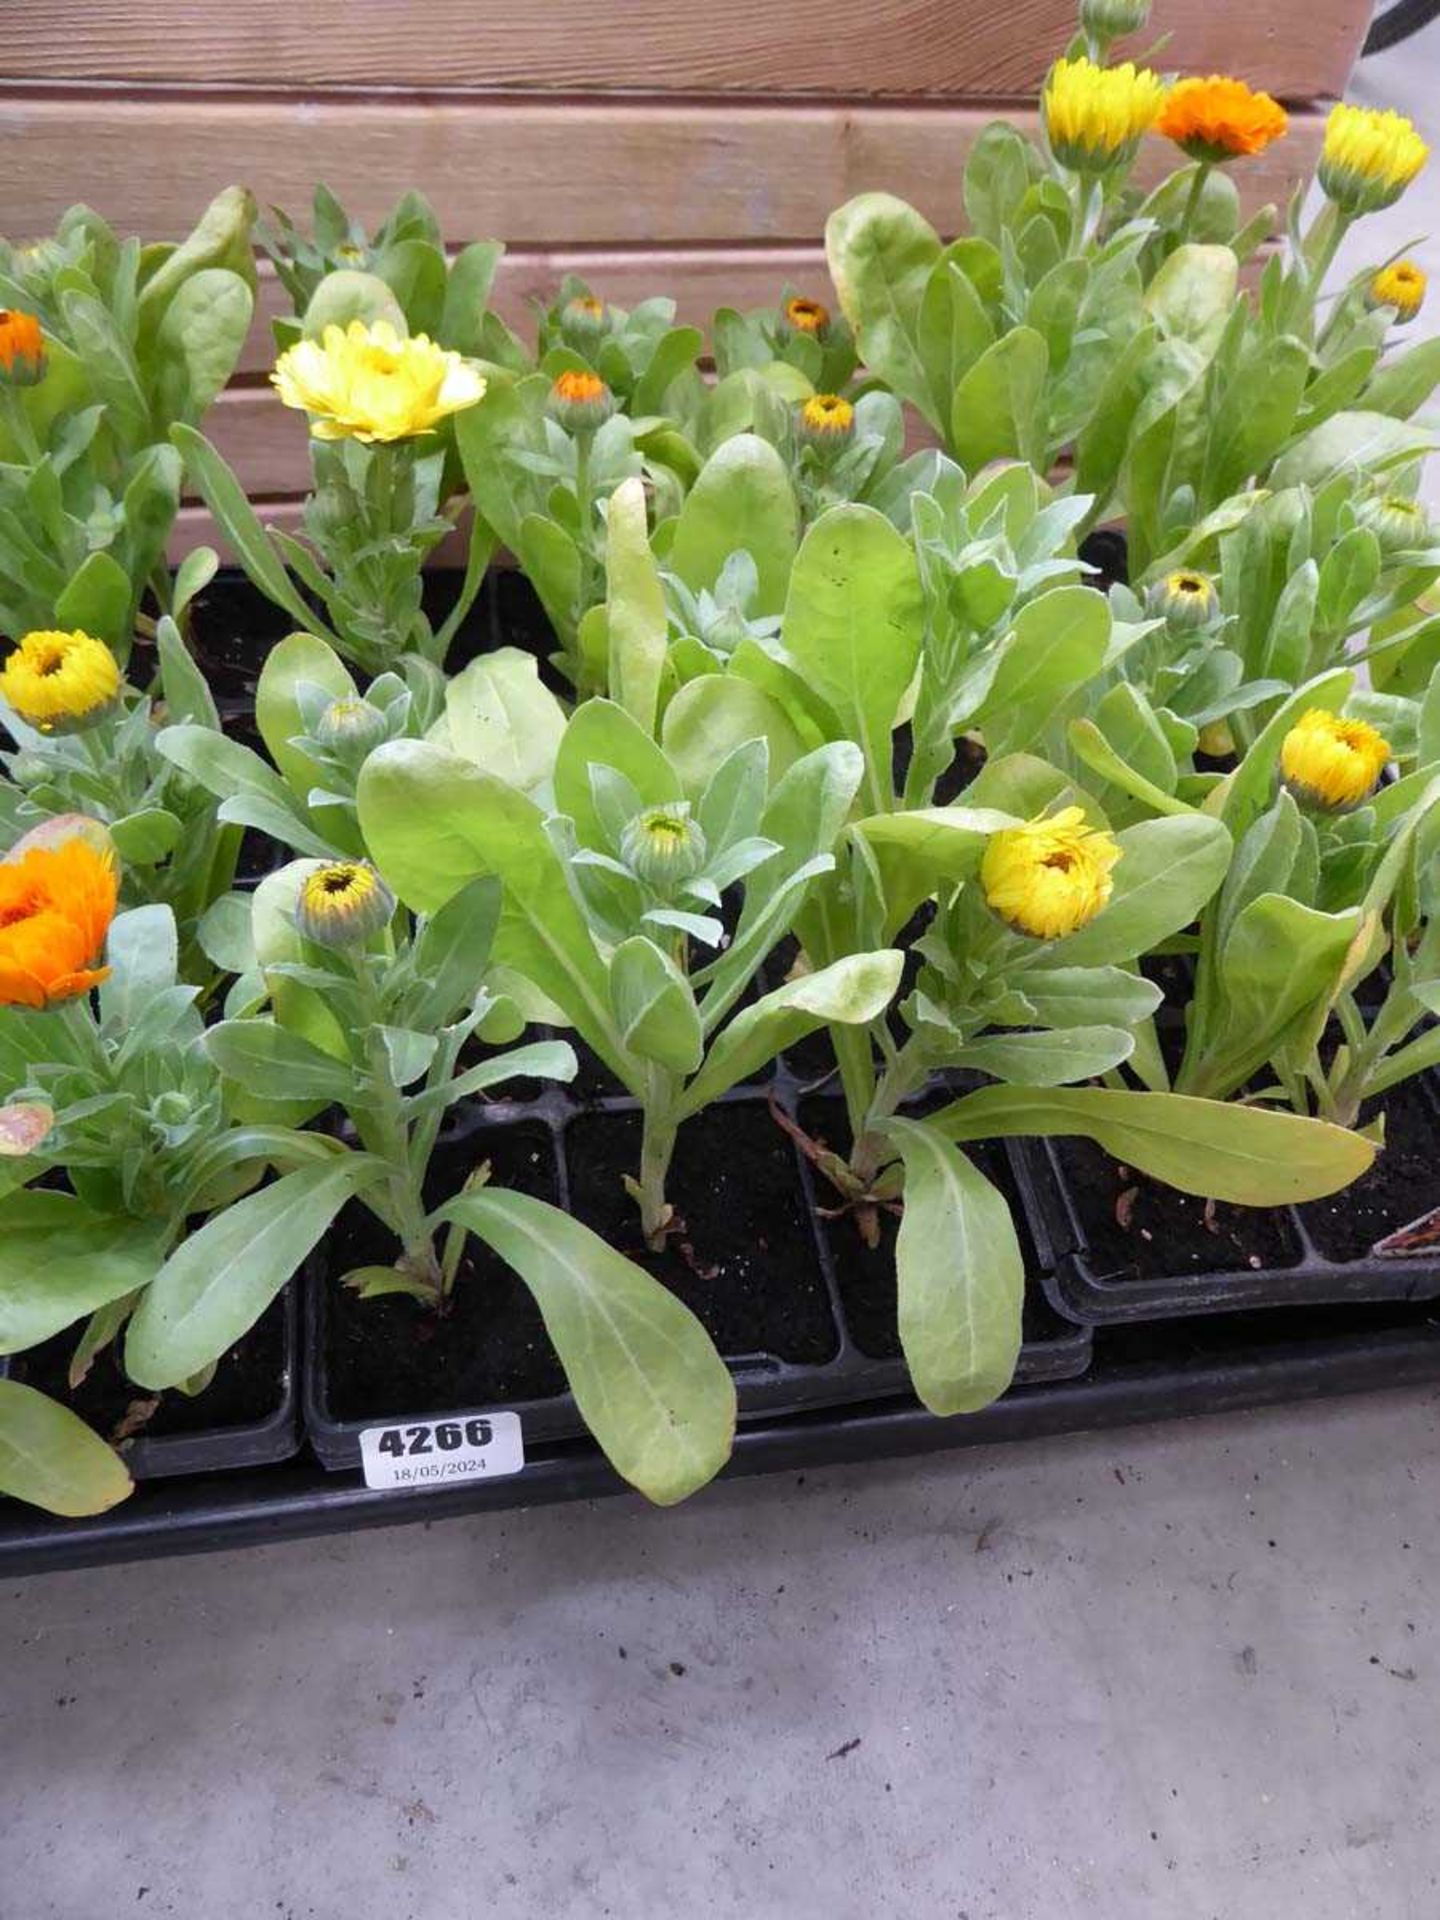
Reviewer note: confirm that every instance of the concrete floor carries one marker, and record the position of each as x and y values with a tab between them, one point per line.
1184	1673
1189	1673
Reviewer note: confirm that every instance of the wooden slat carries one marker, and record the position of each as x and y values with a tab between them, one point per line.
536	175
958	47
698	279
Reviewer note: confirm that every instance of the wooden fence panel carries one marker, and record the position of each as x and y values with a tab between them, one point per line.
960	48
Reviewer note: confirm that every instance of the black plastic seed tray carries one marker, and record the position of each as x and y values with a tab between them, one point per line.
259	1442
1141	1374
837	1367
1318	1252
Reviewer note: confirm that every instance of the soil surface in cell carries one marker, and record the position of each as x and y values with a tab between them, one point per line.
746	1261
249	1385
1140	1229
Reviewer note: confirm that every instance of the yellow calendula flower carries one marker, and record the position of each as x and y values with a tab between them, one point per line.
342	903
1095	116
1050	876
1401	285
1369	158
60	682
826	421
1329	761
371	383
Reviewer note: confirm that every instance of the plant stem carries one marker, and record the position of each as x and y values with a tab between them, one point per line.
1192	202
12	409
904	1075
387	1134
657	1146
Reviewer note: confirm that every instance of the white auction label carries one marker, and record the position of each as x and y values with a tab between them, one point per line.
428	1453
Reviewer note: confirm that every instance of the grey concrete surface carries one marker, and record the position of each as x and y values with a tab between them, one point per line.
1184	1673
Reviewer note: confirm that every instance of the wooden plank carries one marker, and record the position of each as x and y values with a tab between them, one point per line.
698	279
537	175
958	47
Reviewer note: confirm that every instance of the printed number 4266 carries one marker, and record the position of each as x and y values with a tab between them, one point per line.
446	1435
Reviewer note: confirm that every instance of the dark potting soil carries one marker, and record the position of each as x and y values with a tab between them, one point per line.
1174	974
394	1355
1139	1229
248	1387
1401	1187
746	1262
517	619
1107	550
439	590
233	627
865	1275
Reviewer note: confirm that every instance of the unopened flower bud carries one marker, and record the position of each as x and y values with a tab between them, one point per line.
581	402
1400	525
342	903
584	321
826	422
1185	601
351	727
664	846
1109	19
800	315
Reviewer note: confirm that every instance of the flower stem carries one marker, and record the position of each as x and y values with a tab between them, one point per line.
657	1147
17	420
1192	202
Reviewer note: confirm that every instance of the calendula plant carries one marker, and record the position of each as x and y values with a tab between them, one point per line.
541	459
120	1094
1296	578
639	353
644	902
1332	877
375	397
104	344
86	743
372	1013
400	272
1078	315
1029	976
800	332
319	730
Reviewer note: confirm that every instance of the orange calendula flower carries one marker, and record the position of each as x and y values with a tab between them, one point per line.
56	905
22	348
1219	119
806	316
581	402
